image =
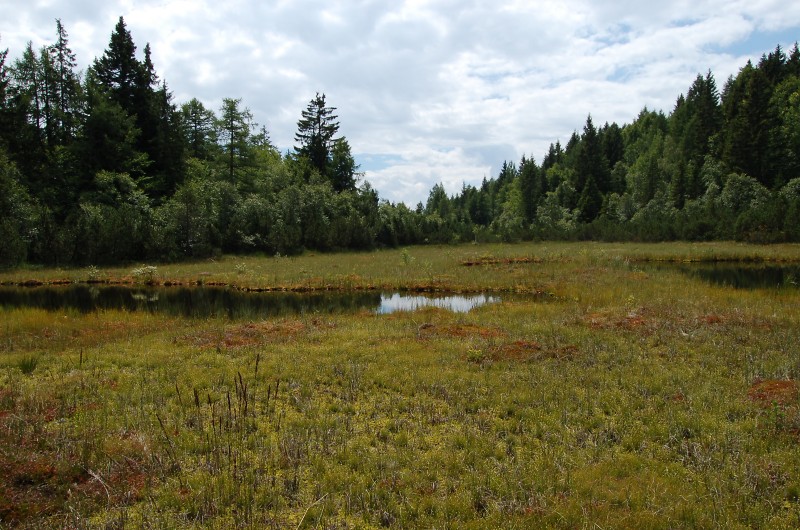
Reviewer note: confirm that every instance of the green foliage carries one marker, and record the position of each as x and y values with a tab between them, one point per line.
554	221
28	364
112	170
235	126
16	215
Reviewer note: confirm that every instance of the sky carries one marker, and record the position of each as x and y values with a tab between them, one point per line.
426	92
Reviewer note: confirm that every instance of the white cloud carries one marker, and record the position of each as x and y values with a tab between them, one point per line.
437	88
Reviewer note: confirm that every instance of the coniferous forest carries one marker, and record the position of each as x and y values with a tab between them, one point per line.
103	166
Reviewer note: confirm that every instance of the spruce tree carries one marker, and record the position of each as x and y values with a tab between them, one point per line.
316	131
118	70
591	161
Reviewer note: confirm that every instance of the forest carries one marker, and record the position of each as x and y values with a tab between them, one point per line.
104	167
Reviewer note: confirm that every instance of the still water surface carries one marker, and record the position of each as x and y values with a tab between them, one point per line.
203	302
745	276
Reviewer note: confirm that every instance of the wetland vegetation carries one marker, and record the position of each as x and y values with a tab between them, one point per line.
614	392
441	386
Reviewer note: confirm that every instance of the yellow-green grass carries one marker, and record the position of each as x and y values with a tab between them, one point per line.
634	398
425	267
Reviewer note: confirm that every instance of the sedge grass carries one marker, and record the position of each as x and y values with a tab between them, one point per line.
635	398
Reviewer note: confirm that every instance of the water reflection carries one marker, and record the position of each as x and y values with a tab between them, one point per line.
204	302
455	303
745	276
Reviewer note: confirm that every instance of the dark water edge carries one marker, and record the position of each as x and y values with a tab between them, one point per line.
207	302
742	275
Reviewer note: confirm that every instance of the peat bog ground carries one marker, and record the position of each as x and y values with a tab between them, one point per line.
607	387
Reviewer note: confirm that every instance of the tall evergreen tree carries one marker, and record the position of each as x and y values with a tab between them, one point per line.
613	144
235	126
591	161
166	146
199	129
590	202
118	70
5	114
316	133
68	101
694	124
29	90
745	105
554	156
135	87
343	168
532	187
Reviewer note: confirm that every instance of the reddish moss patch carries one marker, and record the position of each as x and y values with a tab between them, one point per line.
519	350
459	330
678	397
251	334
40	478
711	319
524	351
634	321
773	391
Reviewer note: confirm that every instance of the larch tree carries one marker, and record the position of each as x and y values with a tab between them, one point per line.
234	130
199	129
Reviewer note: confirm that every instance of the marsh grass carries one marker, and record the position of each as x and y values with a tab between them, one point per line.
523	267
633	398
28	364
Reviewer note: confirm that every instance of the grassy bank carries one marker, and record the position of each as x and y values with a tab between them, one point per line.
634	397
462	267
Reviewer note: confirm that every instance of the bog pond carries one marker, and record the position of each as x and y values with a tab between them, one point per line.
742	275
206	302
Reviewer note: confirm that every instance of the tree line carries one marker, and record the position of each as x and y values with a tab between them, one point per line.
719	166
104	167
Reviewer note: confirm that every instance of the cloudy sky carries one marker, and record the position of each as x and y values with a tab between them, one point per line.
426	91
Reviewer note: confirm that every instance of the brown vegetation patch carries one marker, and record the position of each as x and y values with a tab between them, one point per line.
637	320
678	397
498	261
250	334
521	351
42	475
773	391
459	330
711	319
88	335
